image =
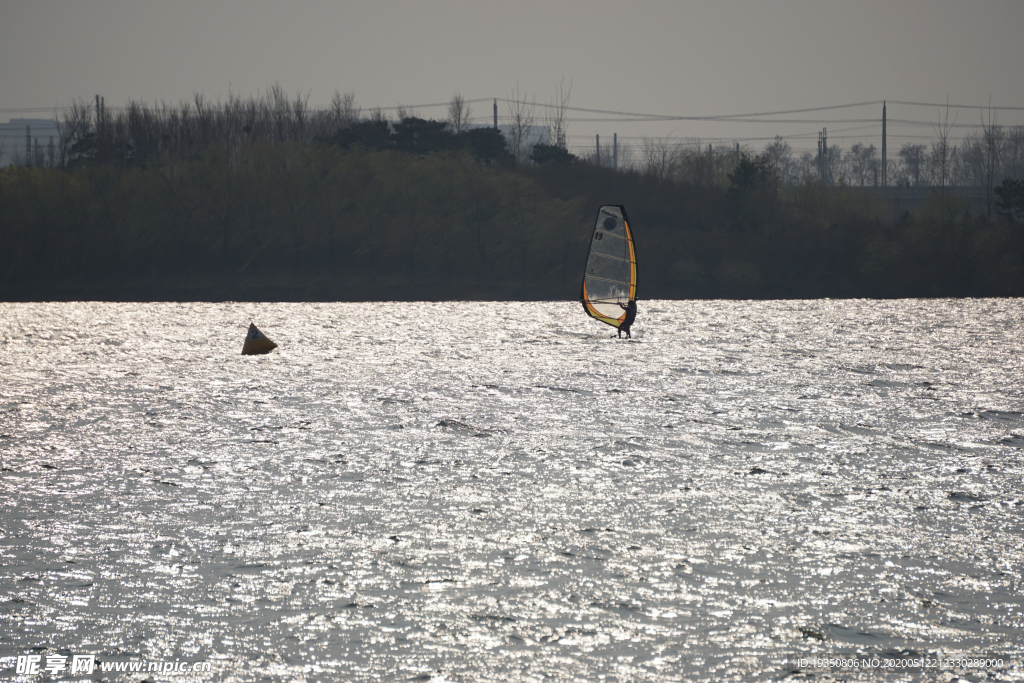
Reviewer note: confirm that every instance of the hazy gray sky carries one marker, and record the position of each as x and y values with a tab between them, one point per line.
717	57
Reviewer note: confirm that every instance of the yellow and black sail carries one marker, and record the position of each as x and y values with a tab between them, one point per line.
609	280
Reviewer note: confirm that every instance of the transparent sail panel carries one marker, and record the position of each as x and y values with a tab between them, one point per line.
610	275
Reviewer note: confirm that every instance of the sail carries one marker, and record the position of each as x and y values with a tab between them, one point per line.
610	275
256	342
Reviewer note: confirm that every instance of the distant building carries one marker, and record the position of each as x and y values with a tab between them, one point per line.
13	141
534	135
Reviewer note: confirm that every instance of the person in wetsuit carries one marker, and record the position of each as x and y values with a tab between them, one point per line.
630	309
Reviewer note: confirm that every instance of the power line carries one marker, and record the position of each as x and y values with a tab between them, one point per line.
955	106
717	117
637	116
425	106
666	117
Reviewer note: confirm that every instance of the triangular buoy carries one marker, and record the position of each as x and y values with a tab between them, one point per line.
256	342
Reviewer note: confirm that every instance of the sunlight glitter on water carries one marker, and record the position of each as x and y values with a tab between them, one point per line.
481	491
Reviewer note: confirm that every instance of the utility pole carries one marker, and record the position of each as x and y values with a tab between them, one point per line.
821	166
28	145
884	166
615	151
495	113
824	148
598	149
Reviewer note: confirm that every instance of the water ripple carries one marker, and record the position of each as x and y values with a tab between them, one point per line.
483	491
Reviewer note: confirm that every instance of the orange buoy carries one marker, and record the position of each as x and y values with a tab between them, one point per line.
256	342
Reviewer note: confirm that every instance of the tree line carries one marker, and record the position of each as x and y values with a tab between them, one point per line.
137	133
978	159
264	199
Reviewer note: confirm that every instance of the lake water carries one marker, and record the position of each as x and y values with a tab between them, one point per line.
502	491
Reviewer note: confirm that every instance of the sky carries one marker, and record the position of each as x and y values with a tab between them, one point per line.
669	58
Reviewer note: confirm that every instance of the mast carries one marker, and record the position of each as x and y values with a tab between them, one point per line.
884	168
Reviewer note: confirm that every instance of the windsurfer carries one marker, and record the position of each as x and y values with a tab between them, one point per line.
630	309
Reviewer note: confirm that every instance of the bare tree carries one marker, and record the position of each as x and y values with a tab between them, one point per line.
703	166
248	114
282	111
993	141
779	156
806	168
834	165
71	130
913	158
557	115
203	118
659	159
300	116
343	111
458	113
1013	162
404	111
862	163
969	168
627	157
137	131
520	123
942	149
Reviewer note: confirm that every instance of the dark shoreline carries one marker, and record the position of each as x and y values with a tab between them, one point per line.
279	289
327	290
